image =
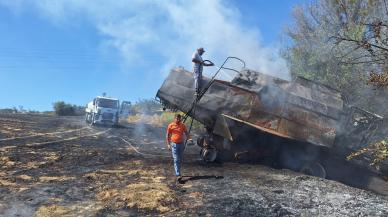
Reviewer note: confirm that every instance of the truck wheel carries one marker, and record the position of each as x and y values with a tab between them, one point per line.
88	118
314	169
116	124
208	154
200	141
92	120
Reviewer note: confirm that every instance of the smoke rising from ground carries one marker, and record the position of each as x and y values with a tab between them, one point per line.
168	29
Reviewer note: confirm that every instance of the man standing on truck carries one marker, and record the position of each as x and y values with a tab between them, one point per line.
175	139
198	64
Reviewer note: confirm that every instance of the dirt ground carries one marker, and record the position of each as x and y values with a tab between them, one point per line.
59	166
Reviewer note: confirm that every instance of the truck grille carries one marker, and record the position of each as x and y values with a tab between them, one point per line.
107	116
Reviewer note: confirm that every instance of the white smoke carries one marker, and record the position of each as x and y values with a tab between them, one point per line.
168	29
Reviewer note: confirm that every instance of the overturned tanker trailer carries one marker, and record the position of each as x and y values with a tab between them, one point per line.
300	125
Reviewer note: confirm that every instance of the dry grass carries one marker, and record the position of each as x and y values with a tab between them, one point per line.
155	119
6	162
7	183
148	192
52	211
379	79
55	178
151	196
24	178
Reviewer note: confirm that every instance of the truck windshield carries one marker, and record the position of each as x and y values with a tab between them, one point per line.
108	103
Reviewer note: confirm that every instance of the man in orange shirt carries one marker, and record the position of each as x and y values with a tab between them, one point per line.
175	139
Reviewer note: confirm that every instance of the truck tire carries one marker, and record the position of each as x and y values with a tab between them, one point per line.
313	168
200	141
92	120
116	124
87	118
208	154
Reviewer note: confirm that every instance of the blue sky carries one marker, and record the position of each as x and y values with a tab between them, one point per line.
73	50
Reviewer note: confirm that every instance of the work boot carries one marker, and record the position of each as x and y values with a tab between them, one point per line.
179	179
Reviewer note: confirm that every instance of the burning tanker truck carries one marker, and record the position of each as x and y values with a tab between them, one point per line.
299	125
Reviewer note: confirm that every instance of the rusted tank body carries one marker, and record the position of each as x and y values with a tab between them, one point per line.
300	110
300	124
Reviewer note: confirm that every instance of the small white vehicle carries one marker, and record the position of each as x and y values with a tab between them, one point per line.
103	110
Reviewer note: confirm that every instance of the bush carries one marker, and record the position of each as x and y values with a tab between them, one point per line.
150	111
378	151
63	109
146	106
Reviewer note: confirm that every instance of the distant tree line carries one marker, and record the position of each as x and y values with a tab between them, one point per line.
61	108
15	110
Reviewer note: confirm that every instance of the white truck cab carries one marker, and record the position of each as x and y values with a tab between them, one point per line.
103	110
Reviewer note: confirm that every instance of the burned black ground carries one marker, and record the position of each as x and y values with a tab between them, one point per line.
94	172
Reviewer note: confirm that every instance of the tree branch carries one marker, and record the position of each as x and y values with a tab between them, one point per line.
356	41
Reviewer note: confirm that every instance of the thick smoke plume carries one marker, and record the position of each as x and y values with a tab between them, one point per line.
171	30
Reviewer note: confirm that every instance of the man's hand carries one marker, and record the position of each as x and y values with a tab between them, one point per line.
196	61
207	63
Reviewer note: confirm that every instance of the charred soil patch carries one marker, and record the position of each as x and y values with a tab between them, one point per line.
62	167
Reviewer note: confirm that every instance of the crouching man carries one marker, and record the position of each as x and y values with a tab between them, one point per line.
175	139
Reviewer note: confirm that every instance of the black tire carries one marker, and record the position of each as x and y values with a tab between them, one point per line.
116	124
92	120
200	141
200	153
208	155
86	118
313	168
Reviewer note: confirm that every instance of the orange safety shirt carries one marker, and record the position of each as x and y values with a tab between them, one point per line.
176	132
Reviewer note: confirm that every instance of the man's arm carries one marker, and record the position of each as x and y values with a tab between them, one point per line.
195	60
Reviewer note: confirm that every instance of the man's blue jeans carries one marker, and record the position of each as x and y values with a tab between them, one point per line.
197	81
177	152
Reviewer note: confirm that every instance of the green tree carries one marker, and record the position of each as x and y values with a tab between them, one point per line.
63	109
344	44
341	43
